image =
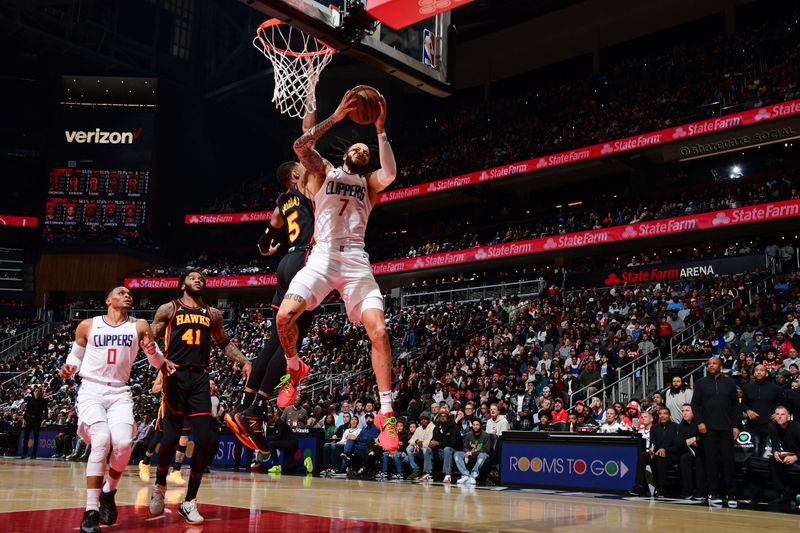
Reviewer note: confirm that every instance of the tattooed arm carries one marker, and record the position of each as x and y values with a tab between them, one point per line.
314	164
161	320
229	349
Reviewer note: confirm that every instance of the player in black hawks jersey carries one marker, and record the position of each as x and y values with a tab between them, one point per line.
343	200
295	213
189	326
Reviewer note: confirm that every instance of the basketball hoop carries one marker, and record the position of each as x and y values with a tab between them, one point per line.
297	61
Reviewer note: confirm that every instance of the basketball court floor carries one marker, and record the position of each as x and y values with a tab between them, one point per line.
47	496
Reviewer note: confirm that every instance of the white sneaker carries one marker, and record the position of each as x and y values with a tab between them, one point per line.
188	510
471	481
425	477
447	479
462	480
157	500
733	504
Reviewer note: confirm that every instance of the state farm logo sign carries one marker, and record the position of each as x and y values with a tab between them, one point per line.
98	136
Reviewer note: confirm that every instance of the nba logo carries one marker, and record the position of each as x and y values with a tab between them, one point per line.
429	48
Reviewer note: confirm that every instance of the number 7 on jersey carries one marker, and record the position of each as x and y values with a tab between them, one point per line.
344	205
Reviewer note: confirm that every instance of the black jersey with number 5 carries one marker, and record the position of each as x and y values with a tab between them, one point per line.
188	335
298	215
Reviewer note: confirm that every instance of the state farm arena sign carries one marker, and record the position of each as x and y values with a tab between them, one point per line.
667	271
642	230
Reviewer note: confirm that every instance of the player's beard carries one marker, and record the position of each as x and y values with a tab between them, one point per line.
355	167
191	291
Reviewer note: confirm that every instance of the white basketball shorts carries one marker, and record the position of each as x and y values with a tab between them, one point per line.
102	403
348	272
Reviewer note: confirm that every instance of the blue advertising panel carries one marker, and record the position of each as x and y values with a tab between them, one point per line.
308	445
551	465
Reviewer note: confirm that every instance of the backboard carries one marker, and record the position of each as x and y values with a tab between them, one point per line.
419	54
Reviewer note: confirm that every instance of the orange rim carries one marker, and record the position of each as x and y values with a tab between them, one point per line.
326	50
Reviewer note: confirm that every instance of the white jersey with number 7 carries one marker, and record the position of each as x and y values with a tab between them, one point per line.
341	209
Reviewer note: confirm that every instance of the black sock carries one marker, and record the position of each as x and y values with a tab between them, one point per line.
194	484
146	460
247	399
177	466
260	404
161	477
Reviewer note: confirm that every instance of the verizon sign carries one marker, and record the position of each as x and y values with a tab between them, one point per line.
98	136
643	230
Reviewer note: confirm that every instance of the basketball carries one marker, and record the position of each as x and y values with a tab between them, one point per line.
368	105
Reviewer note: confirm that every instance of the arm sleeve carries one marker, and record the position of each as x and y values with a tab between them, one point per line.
388	171
267	237
157	359
75	356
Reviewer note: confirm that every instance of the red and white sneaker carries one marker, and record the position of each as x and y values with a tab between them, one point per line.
289	383
388	426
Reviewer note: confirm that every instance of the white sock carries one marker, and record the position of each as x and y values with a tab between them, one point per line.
292	363
386	402
92	499
110	484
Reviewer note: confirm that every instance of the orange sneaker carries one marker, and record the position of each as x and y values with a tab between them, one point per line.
388	426
238	431
289	383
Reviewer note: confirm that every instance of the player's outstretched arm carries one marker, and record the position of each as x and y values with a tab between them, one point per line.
75	357
150	348
161	320
266	243
316	166
223	341
384	176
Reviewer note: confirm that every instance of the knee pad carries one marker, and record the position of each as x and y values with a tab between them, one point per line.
100	437
121	443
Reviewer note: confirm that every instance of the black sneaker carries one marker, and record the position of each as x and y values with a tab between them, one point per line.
252	426
108	508
714	500
90	522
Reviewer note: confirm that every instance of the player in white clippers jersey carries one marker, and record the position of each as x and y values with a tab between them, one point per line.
343	198
103	353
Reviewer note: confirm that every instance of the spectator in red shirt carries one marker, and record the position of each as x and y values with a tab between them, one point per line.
559	413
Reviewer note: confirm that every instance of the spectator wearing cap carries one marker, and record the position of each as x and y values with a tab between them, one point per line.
784	435
715	404
761	397
362	445
445	442
559	414
419	444
521	407
631	418
477	447
497	423
677	395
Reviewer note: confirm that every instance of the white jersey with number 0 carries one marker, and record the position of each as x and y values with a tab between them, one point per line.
341	209
110	351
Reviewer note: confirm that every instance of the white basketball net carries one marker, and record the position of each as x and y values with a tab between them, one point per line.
297	61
